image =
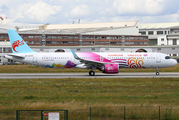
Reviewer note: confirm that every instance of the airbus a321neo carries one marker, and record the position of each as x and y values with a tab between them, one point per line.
107	62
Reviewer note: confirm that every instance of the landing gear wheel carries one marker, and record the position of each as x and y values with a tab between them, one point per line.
157	73
91	73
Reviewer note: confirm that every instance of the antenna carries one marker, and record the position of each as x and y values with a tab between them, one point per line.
79	21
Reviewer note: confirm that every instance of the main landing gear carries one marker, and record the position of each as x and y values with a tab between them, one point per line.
157	72
92	73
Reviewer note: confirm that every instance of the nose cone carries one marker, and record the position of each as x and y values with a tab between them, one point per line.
174	62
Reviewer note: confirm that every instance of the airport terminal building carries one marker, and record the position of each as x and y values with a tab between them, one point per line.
96	37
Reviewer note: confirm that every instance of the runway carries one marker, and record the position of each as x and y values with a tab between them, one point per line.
85	75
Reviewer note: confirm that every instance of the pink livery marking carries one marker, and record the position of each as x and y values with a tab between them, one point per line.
98	58
111	68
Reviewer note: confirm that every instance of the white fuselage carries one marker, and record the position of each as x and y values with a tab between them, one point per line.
125	60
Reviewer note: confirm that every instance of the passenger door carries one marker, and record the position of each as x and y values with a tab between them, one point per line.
158	58
35	58
101	58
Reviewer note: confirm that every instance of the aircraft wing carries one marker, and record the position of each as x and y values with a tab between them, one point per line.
89	62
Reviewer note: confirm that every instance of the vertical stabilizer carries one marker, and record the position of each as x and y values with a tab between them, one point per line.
18	45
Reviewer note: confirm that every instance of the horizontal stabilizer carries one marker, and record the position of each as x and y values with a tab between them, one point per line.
16	56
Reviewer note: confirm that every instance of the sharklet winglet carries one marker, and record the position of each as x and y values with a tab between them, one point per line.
74	54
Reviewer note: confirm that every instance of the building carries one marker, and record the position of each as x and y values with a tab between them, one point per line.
115	34
161	33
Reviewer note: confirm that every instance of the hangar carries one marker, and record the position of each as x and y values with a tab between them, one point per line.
89	34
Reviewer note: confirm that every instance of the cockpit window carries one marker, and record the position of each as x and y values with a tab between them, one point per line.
167	57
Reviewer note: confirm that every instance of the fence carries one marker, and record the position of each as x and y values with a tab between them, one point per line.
98	113
126	113
39	114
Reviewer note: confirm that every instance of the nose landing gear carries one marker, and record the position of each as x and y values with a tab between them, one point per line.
157	72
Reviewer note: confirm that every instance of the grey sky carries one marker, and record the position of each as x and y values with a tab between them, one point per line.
67	11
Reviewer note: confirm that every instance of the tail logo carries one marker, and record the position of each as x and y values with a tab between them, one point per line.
17	43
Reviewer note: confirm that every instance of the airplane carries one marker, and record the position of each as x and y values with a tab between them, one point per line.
107	62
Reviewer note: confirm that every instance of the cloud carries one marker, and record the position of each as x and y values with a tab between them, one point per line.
149	19
67	11
80	11
57	8
107	12
173	17
40	12
138	7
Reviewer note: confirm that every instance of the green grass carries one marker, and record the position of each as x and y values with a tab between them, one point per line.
158	91
37	69
106	96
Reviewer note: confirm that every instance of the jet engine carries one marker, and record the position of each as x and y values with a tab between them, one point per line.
110	68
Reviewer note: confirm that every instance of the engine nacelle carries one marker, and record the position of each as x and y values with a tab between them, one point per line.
110	68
